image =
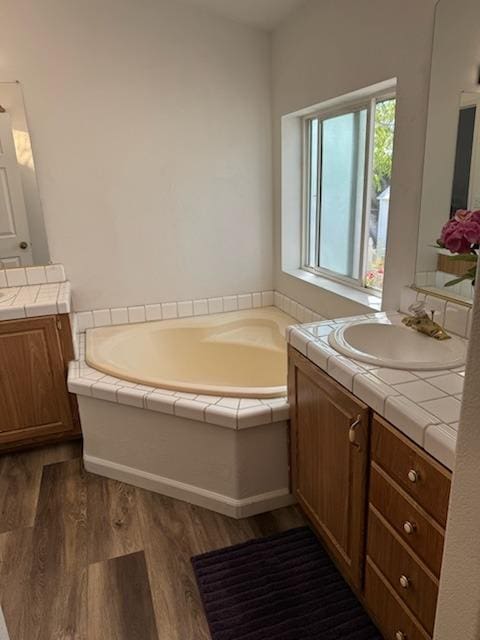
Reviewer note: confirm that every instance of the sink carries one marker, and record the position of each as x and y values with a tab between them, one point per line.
384	344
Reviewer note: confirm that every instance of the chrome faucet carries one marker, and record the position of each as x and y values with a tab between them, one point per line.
421	322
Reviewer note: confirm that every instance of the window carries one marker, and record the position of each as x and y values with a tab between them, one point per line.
348	166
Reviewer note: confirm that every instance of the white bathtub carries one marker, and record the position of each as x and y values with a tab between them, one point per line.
240	354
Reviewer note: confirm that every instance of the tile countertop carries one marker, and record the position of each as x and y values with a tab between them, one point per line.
424	405
33	300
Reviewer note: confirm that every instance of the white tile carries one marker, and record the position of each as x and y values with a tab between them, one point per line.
153	312
299	339
248	403
132	397
436	305
16	277
41	309
308	315
419	391
320	330
36	275
185	308
451	383
280	411
119	315
81	386
267	298
343	370
256	300
3	278
277	300
161	402
393	376
215	305
190	409
231	403
208	399
12	313
84	320
200	307
55	273
245	301
469	323
230	303
372	391
104	391
101	317
221	416
169	310
136	314
254	417
185	395
408	296
456	317
446	409
320	353
408	417
441	443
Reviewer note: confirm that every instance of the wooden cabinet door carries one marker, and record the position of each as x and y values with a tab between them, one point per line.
329	453
34	400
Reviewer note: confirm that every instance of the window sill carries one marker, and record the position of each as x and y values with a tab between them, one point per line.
345	291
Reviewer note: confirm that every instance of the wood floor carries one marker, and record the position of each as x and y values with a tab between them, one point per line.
83	557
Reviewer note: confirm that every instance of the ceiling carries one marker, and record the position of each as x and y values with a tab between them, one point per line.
266	14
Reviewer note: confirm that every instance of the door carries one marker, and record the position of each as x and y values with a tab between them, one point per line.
34	401
329	453
15	245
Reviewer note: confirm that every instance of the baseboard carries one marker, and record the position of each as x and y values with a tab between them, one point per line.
189	493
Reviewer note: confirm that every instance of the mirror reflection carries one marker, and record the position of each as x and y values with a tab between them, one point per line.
447	261
23	240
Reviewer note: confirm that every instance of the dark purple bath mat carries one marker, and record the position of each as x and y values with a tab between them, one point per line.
283	587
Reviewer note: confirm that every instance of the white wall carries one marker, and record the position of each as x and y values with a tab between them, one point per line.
458	608
151	129
455	68
334	47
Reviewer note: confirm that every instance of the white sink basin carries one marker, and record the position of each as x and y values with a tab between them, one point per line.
384	344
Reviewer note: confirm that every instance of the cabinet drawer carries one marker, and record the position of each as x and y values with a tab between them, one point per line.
394	619
422	534
415	586
419	475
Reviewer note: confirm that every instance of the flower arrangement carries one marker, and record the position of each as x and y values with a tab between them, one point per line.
461	236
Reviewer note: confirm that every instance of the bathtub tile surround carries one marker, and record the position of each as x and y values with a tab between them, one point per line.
232	413
424	405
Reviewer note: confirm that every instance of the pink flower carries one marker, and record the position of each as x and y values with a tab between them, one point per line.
461	232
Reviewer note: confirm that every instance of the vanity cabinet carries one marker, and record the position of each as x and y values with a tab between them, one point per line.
387	541
35	406
329	456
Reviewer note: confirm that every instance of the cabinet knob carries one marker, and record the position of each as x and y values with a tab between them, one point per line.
400	636
404	582
412	475
408	527
23	245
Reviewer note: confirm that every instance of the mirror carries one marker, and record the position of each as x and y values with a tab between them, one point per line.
451	181
23	240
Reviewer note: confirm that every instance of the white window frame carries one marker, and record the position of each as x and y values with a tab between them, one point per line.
368	103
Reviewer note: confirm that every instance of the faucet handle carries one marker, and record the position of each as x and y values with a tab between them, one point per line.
417	308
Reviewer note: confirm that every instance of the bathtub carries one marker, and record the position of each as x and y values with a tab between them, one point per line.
239	354
192	408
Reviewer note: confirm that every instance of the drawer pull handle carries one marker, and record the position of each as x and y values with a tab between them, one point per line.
352	431
413	475
408	527
404	582
400	636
